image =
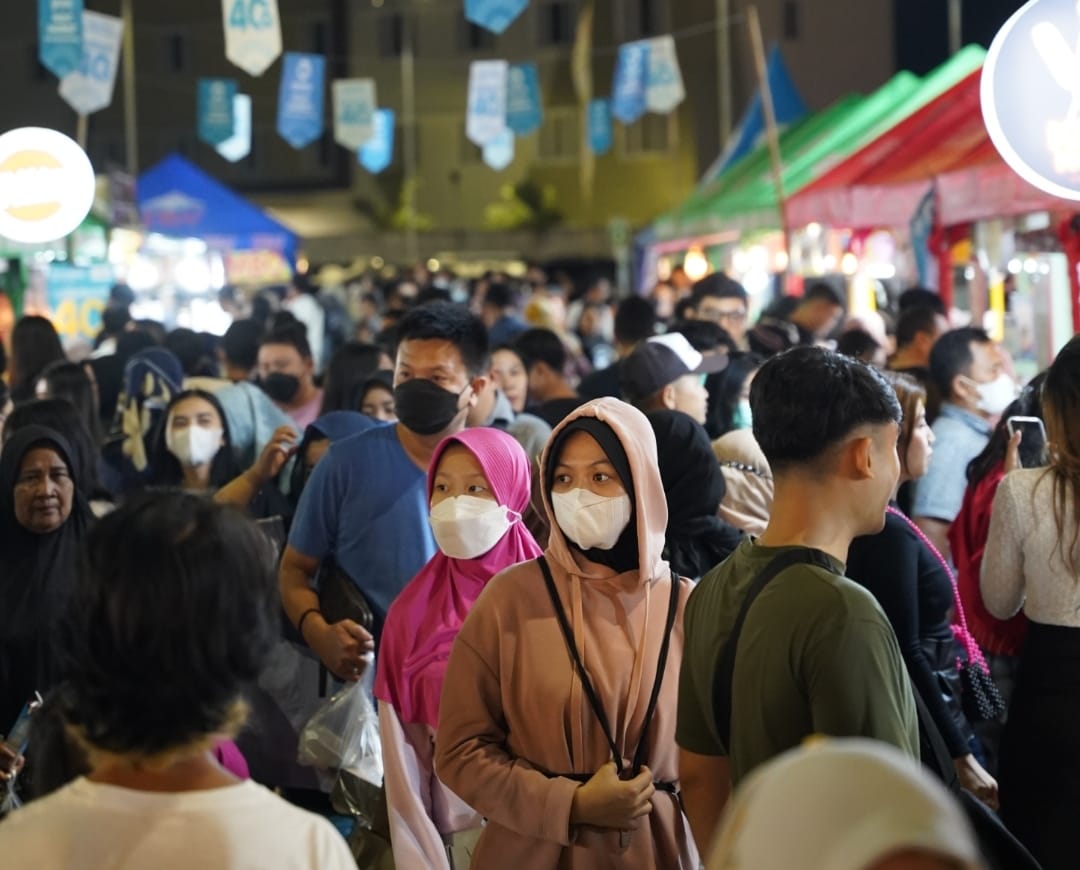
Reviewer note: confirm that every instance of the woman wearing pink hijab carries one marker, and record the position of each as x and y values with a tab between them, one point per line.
478	486
558	711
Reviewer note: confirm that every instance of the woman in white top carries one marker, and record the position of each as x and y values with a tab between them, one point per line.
1032	561
173	613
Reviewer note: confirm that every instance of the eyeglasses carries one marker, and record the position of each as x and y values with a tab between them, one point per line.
730	316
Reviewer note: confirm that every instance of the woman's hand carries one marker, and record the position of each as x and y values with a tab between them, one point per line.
343	647
10	762
275	454
606	801
1012	452
977	781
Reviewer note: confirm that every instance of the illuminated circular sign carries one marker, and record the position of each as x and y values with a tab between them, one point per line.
46	185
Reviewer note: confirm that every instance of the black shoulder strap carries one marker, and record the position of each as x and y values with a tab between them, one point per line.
586	683
725	674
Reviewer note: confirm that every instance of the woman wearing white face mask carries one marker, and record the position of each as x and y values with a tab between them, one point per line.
557	720
478	487
191	451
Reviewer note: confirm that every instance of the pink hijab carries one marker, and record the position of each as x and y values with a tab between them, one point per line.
426	617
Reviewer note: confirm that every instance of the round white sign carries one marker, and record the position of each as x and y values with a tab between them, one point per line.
46	185
1030	93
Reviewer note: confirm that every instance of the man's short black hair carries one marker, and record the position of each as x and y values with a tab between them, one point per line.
858	344
913	320
292	334
635	320
209	637
541	345
917	297
819	291
240	344
113	319
121	296
719	286
705	335
499	296
952	356
807	400
193	351
449	322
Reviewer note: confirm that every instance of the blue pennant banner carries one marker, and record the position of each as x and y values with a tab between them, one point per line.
252	34
238	146
300	102
665	88
600	132
499	153
378	152
631	82
524	111
60	24
354	111
486	118
216	116
494	15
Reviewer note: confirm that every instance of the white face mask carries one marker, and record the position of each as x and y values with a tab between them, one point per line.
997	395
194	445
589	520
466	527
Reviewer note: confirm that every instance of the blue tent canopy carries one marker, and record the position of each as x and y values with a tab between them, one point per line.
176	198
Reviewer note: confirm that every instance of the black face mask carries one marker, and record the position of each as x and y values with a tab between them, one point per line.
424	407
280	387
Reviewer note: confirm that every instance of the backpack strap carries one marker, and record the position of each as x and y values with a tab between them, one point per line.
725	673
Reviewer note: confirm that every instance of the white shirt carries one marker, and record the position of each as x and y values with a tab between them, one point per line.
239	827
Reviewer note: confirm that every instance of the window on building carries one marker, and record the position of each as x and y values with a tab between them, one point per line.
392	34
320	38
791	19
651	135
38	70
560	136
476	38
639	19
471	154
556	21
327	147
177	52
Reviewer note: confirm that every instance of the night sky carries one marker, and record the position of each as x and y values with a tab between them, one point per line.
922	30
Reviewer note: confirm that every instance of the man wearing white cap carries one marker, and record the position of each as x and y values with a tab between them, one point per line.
844	805
666	373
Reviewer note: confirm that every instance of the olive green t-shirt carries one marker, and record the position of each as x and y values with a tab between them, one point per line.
816	656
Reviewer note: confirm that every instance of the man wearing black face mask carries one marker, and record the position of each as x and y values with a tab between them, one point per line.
366	502
287	374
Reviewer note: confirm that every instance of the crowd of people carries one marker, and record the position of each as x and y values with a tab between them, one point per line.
610	566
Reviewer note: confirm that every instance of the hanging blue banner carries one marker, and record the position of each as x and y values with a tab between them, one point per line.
494	15
377	153
631	82
300	102
600	134
60	35
216	113
524	112
921	228
499	152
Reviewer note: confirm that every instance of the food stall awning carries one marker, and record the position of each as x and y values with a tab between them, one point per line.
944	143
178	199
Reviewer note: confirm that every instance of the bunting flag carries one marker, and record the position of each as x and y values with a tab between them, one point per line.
524	111
921	228
216	98
354	112
486	118
600	126
90	87
665	88
499	152
60	24
631	82
300	102
252	34
787	105
377	153
238	146
494	15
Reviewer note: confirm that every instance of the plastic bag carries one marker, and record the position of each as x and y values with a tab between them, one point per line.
343	734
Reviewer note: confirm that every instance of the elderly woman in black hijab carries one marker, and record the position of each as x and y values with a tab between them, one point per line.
43	519
697	539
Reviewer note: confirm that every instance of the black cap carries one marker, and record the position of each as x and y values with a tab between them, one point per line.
662	360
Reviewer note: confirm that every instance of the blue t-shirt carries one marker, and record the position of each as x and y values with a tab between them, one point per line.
366	503
959	436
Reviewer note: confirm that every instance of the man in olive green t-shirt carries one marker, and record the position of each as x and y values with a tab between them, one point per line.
816	654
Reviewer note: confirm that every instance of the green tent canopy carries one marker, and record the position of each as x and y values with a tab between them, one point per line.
747	201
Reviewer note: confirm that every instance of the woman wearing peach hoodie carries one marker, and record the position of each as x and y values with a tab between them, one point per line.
566	780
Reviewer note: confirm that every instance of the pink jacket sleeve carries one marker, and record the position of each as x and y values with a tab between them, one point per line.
408	772
472	761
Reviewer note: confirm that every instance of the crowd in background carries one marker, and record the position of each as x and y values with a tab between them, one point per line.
550	510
